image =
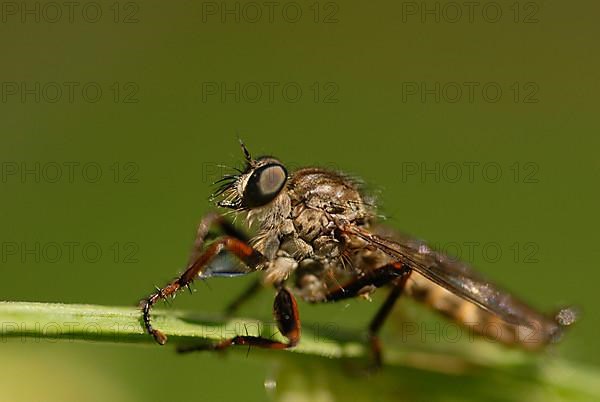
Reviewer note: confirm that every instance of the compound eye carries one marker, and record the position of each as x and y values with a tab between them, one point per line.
264	184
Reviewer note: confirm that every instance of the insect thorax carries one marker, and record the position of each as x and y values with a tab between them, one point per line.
298	231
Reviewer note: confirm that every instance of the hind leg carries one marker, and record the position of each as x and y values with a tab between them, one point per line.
395	274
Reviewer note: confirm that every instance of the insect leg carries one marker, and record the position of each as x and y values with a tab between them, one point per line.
246	295
286	314
241	249
208	221
382	314
378	277
395	273
225	225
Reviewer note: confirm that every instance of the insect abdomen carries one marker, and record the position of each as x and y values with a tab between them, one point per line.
542	331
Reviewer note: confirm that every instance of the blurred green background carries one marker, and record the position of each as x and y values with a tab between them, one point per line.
141	101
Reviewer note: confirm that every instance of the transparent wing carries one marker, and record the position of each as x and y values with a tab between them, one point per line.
455	276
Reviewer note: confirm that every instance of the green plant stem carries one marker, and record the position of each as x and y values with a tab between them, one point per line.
493	365
124	324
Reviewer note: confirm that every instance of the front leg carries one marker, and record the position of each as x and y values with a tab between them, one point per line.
239	248
208	221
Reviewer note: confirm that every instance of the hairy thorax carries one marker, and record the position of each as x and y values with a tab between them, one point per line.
299	235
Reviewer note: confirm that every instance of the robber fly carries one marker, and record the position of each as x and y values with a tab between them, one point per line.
316	237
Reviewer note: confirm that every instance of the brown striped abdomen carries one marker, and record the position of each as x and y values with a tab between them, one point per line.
543	330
